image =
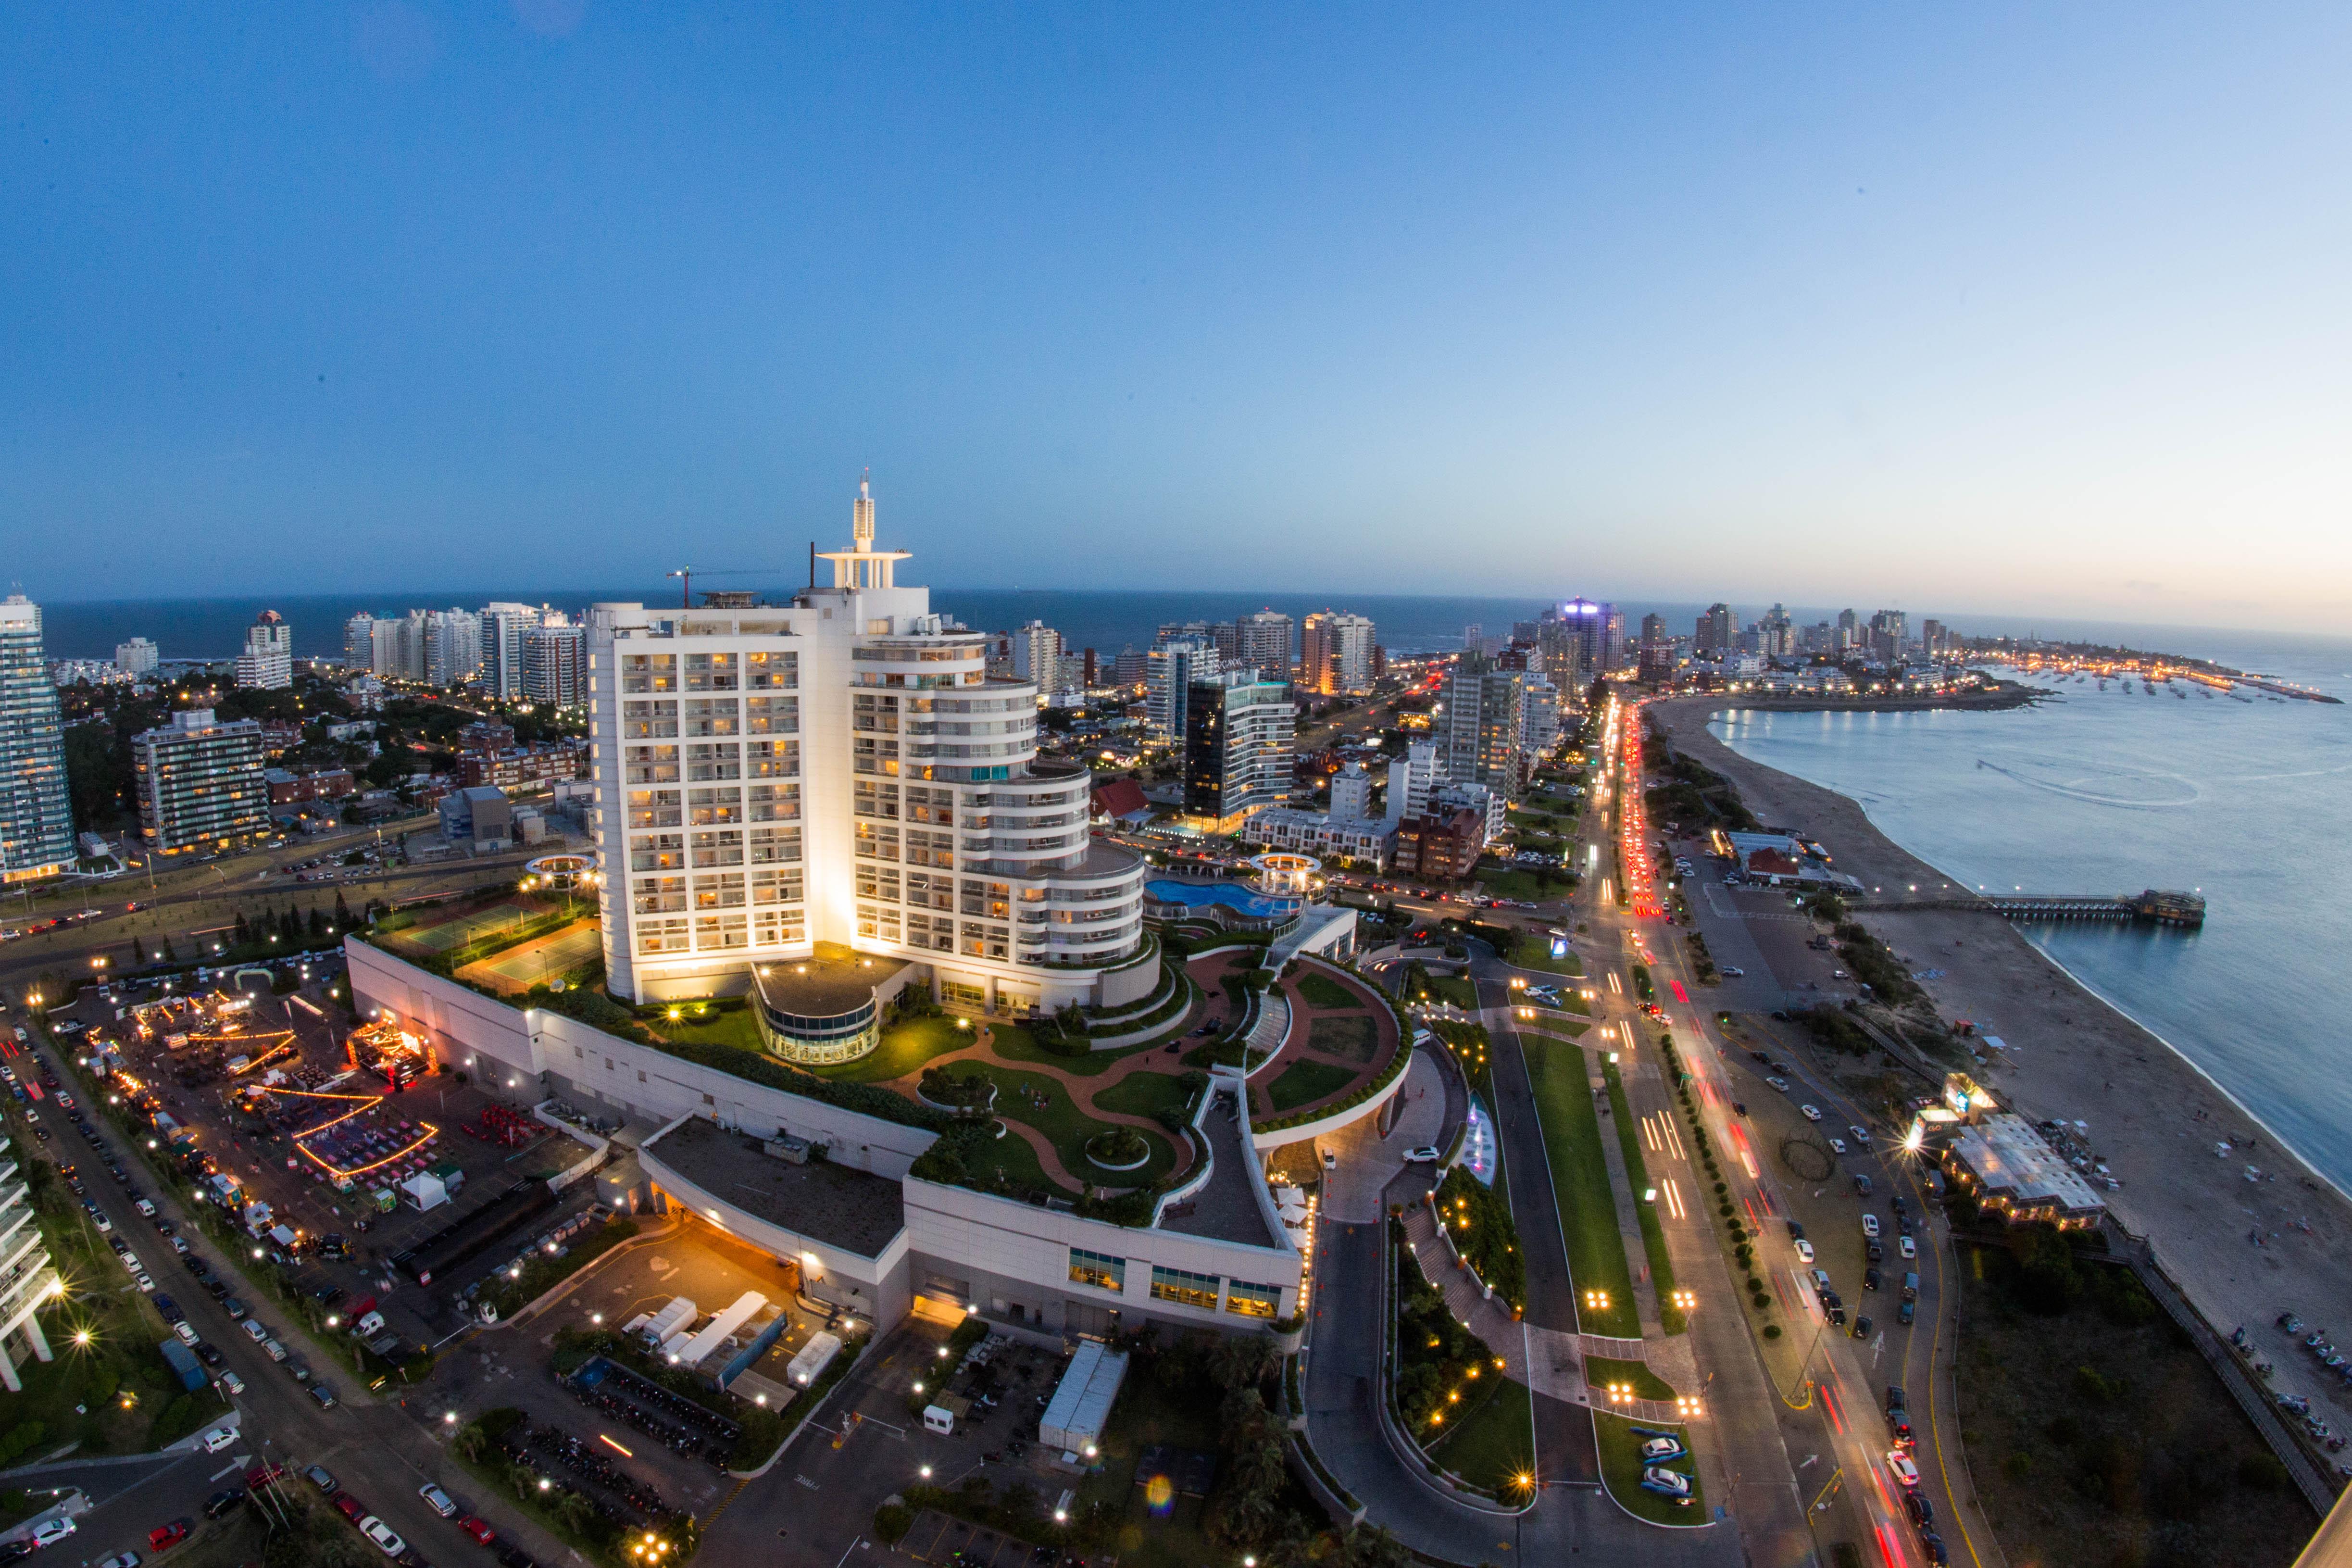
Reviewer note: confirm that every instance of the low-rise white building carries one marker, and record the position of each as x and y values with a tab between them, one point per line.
1367	841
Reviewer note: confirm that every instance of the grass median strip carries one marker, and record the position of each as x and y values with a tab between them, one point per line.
1580	1179
1621	1472
1637	1171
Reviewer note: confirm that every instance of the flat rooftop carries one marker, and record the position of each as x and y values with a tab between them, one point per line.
853	1210
828	983
2009	1156
1224	1208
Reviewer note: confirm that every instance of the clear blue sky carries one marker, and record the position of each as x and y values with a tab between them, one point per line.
1996	307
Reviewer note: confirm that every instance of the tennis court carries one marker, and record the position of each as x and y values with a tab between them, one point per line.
447	935
542	958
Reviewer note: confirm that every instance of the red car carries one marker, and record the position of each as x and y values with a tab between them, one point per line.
255	1480
472	1525
163	1537
350	1506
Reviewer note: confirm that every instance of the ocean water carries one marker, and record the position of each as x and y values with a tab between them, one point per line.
2114	791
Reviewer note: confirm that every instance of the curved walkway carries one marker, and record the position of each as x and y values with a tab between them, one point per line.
1386	1040
1080	1087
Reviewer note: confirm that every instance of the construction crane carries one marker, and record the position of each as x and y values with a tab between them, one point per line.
685	574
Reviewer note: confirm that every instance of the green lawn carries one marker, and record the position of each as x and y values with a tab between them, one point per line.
1637	1171
1621	1472
1494	1443
1143	1094
1535	952
1453	988
734	1028
904	1049
1515	884
1321	991
1303	1082
1012	1156
1580	1176
1352	1037
1600	1372
1061	1121
1015	1044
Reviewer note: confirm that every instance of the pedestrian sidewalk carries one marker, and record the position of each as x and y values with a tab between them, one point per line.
1487	1316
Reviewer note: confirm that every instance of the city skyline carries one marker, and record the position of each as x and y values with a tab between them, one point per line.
493	291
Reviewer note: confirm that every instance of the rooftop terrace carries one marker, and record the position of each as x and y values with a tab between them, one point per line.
850	1209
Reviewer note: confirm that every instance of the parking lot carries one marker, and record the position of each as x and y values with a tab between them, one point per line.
262	1088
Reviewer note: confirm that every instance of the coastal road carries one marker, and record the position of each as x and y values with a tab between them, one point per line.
1838	1381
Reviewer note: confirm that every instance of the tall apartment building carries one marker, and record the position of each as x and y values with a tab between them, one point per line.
1594	638
1336	655
1238	731
27	1280
1169	671
36	836
1412	777
828	798
555	661
1351	794
396	647
1038	655
266	662
1849	630
1654	631
200	783
1540	711
1717	632
1485	726
138	657
1261	642
453	646
1132	667
1890	630
359	642
504	625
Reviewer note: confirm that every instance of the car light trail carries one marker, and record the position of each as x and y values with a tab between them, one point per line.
1614	989
1675	1200
615	1447
1681	995
1650	1136
1674	1139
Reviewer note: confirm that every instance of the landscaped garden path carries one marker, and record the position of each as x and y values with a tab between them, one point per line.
1341	1033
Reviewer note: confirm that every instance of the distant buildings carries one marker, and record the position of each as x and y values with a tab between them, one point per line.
1484	727
1337	656
36	836
555	661
1238	731
1717	632
1261	642
1369	842
200	783
1170	669
266	662
138	657
503	629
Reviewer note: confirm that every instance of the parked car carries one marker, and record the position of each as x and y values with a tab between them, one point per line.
1805	1251
323	1395
50	1531
1861	1327
350	1506
232	1384
322	1478
219	1438
437	1499
1899	1466
221	1502
1427	1154
386	1541
1908	1248
122	1560
163	1537
474	1525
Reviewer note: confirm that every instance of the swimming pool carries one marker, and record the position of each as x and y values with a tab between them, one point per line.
1234	897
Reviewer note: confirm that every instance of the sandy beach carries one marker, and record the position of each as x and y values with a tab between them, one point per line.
2154	1118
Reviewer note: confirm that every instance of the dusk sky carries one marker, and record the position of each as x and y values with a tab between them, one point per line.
2003	308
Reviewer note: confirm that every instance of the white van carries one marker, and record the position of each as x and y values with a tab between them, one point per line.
938	1420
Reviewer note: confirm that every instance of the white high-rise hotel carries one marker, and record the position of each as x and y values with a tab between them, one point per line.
842	771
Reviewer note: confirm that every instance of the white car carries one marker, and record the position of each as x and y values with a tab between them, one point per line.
437	1499
1732	972
129	1260
1426	1154
387	1543
122	1560
219	1438
1869	1225
146	1286
232	1383
1837	1145
186	1330
253	1330
1805	1251
1812	1112
52	1532
1909	1248
1904	1470
1861	1136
